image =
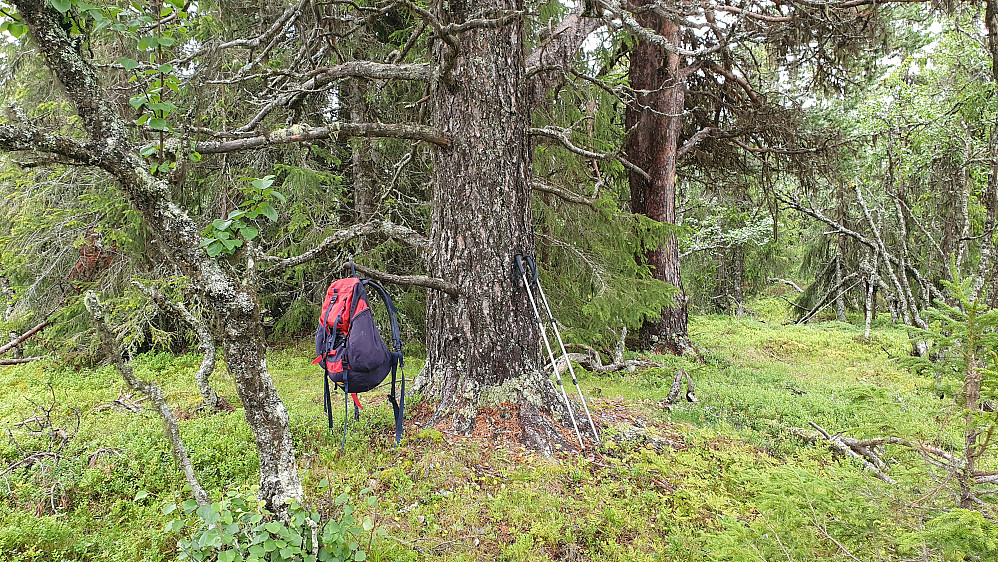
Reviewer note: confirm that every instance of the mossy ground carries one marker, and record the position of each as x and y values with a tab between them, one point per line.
722	479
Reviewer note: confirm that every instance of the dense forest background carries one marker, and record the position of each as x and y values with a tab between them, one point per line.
181	181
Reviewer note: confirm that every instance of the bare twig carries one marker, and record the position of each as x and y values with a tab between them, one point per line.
397	231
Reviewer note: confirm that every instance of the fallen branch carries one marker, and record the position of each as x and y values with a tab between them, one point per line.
24	337
862	450
125	401
677	387
20	361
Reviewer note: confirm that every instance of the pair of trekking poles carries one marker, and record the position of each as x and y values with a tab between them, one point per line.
525	270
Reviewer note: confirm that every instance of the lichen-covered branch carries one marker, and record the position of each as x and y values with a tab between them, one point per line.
321	77
205	341
564	137
561	193
150	389
14	139
23	337
304	133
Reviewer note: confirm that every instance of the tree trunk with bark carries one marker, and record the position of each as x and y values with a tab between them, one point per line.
483	345
225	292
655	121
363	154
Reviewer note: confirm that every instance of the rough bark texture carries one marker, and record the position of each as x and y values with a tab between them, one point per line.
234	302
655	122
482	347
362	157
552	59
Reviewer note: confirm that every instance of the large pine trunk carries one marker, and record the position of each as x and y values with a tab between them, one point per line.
483	347
655	122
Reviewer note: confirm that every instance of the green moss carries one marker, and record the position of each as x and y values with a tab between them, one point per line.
723	479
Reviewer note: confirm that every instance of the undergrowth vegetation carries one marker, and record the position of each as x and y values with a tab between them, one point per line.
733	477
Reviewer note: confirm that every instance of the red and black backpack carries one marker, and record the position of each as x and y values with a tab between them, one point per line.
351	350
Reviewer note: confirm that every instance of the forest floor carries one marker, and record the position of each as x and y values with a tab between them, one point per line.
723	479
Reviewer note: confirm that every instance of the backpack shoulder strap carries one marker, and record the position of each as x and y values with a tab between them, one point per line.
397	361
392	312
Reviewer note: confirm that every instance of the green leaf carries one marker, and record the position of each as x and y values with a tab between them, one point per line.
360	556
16	29
141	495
62	6
157	124
323	484
165	107
214	249
169	508
147	151
249	232
278	195
148	43
166	68
269	211
129	64
220	224
263	183
368	524
232	244
233	215
208	514
167	41
138	101
227	556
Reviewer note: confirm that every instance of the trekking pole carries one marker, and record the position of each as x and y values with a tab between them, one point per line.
561	343
518	261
